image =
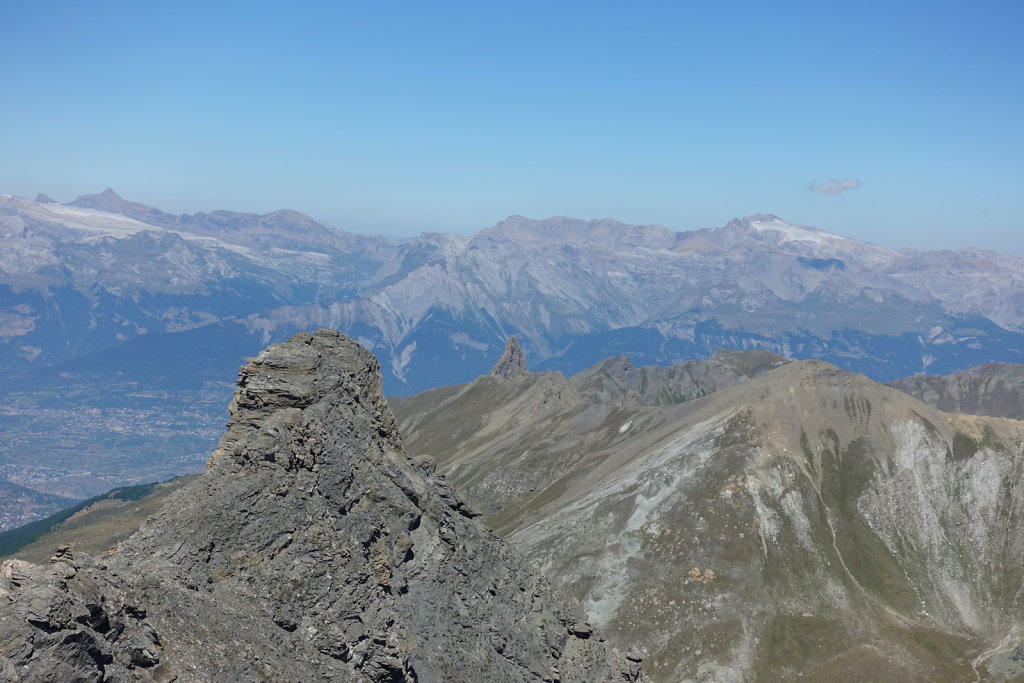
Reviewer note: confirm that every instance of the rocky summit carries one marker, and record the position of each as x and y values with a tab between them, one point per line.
312	549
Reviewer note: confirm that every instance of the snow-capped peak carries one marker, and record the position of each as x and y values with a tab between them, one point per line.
790	232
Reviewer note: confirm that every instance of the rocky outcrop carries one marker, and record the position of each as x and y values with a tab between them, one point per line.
618	382
313	548
995	389
512	362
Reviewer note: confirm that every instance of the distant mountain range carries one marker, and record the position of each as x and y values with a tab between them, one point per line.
108	304
94	274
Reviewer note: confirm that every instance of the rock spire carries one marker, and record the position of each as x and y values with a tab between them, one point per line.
512	362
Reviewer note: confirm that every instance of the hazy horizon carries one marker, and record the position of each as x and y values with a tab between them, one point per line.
895	125
1013	250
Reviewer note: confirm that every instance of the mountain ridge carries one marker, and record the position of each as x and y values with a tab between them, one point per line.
805	522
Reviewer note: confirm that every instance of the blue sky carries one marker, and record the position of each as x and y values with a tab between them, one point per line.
404	117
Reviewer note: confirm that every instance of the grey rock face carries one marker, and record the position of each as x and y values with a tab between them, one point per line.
65	622
995	389
616	381
312	549
512	362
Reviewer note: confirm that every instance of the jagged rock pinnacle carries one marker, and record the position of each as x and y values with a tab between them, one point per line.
342	559
512	362
311	370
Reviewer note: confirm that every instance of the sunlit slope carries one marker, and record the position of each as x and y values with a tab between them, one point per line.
103	522
807	521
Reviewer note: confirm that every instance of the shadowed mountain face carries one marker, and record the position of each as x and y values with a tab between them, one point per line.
802	522
311	549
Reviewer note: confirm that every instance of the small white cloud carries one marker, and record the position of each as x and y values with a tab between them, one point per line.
834	186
